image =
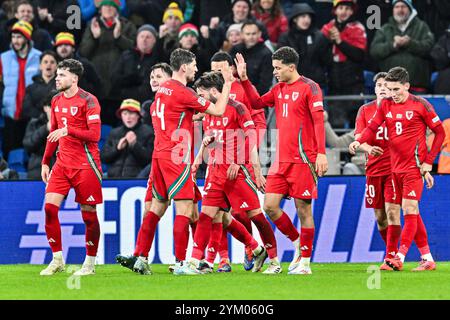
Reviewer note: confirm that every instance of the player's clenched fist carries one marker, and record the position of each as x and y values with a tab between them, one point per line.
45	171
57	134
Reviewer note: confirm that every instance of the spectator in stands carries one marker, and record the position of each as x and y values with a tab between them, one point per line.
53	15
43	84
346	76
312	46
269	12
405	41
147	11
89	8
129	147
233	37
203	48
132	71
24	11
36	137
65	49
435	13
209	9
17	68
168	31
441	57
7	173
257	56
104	40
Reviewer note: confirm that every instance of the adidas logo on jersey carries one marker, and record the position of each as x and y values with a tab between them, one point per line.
306	194
412	194
91	198
243	205
389	115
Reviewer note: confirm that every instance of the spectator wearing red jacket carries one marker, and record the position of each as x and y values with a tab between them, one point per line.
269	12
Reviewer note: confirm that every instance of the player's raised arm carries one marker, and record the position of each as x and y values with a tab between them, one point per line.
218	108
256	101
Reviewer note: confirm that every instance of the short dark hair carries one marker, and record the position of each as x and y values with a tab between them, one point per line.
179	57
250	22
222	56
73	66
22	2
48	53
397	74
286	55
379	75
164	67
208	80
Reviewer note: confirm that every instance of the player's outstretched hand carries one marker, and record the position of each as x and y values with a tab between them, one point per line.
321	164
353	147
233	171
208	140
241	66
45	171
429	180
376	151
57	134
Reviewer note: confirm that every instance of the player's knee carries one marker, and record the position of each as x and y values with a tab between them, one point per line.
270	209
89	218
51	211
410	208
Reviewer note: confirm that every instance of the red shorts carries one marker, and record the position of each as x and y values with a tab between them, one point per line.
297	180
149	193
408	185
379	190
87	183
171	181
240	193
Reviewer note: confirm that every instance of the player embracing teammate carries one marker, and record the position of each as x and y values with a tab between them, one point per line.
407	117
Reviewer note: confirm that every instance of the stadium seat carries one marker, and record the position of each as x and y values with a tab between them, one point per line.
106	129
441	106
17	160
369	85
434	76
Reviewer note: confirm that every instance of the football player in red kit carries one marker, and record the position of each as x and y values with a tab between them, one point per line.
300	157
379	189
75	131
407	117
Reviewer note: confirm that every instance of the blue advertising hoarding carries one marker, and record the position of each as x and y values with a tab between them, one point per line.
345	229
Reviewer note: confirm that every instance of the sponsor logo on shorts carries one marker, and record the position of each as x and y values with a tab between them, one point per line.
90	198
412	194
306	194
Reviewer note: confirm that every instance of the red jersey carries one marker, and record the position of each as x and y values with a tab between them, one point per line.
229	132
406	124
375	166
76	112
237	93
295	107
172	113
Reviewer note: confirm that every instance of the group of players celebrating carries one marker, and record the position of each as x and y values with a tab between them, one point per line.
231	112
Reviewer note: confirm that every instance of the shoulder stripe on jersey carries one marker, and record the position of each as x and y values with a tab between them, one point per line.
312	85
240	108
424	102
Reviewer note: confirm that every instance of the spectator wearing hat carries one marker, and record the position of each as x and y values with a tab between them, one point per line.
233	37
257	56
129	147
104	40
89	8
24	10
309	42
43	84
269	12
65	49
168	31
17	68
405	41
36	136
441	57
189	39
346	75
53	15
132	71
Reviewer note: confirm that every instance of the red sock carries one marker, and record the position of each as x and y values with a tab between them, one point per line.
52	227
238	231
214	241
202	234
244	219
147	234
266	233
306	241
92	232
181	236
408	233
383	234
139	239
286	227
193	227
393	235
223	246
421	237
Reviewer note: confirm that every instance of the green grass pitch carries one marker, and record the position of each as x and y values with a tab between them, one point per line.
328	281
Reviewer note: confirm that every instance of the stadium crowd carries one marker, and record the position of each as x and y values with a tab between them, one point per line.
120	42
